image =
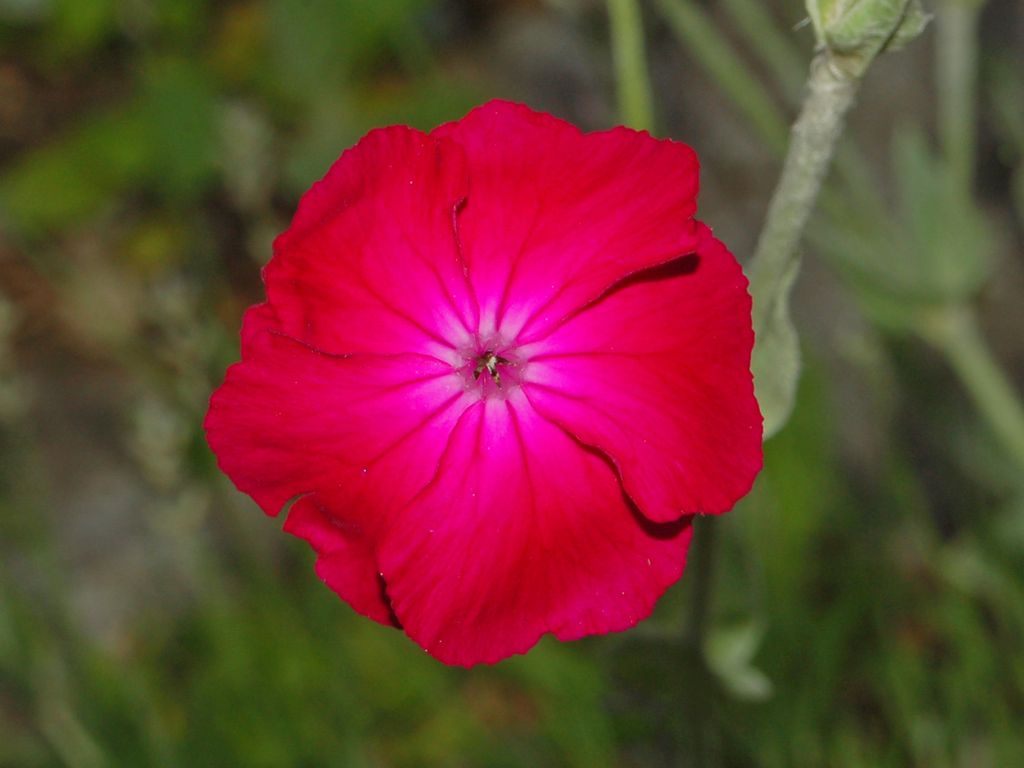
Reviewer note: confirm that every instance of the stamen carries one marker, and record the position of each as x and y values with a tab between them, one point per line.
489	361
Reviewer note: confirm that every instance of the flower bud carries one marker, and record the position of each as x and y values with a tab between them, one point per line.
856	31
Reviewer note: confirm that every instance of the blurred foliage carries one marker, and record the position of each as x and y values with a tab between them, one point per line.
926	247
869	601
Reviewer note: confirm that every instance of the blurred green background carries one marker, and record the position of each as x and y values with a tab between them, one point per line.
868	602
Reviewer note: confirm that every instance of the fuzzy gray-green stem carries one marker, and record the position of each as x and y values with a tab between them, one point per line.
830	94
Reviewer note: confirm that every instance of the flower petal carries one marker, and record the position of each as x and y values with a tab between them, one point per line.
523	531
346	561
258	319
365	430
554	216
370	262
657	375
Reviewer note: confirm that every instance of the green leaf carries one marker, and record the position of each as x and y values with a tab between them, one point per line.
776	360
934	247
730	650
914	21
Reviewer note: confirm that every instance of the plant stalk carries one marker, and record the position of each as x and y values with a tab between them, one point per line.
703	567
830	94
813	139
956	65
956	334
698	34
632	80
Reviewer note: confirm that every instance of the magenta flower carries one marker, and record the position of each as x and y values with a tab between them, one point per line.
499	368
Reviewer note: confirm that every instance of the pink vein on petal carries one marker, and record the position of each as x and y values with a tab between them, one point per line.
525	459
514	268
461	257
417	427
406	317
444	454
432	269
545	332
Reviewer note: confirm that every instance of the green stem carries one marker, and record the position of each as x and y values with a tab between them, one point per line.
955	332
695	751
690	23
814	136
956	64
830	94
778	50
781	56
703	569
634	88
